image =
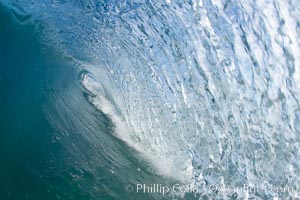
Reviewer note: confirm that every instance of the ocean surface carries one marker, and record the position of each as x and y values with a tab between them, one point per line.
139	99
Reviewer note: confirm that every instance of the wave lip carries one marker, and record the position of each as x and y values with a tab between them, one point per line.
209	88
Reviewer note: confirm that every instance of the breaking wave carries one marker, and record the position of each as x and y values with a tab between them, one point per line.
206	91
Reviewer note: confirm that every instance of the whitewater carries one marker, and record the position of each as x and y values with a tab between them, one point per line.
202	92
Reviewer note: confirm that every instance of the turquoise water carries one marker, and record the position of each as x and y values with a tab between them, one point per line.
98	98
71	161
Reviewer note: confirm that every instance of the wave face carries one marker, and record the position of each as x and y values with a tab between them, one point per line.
206	91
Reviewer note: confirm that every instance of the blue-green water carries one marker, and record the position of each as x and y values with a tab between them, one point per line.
48	150
98	98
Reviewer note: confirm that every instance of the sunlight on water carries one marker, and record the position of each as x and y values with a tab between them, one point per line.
208	90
